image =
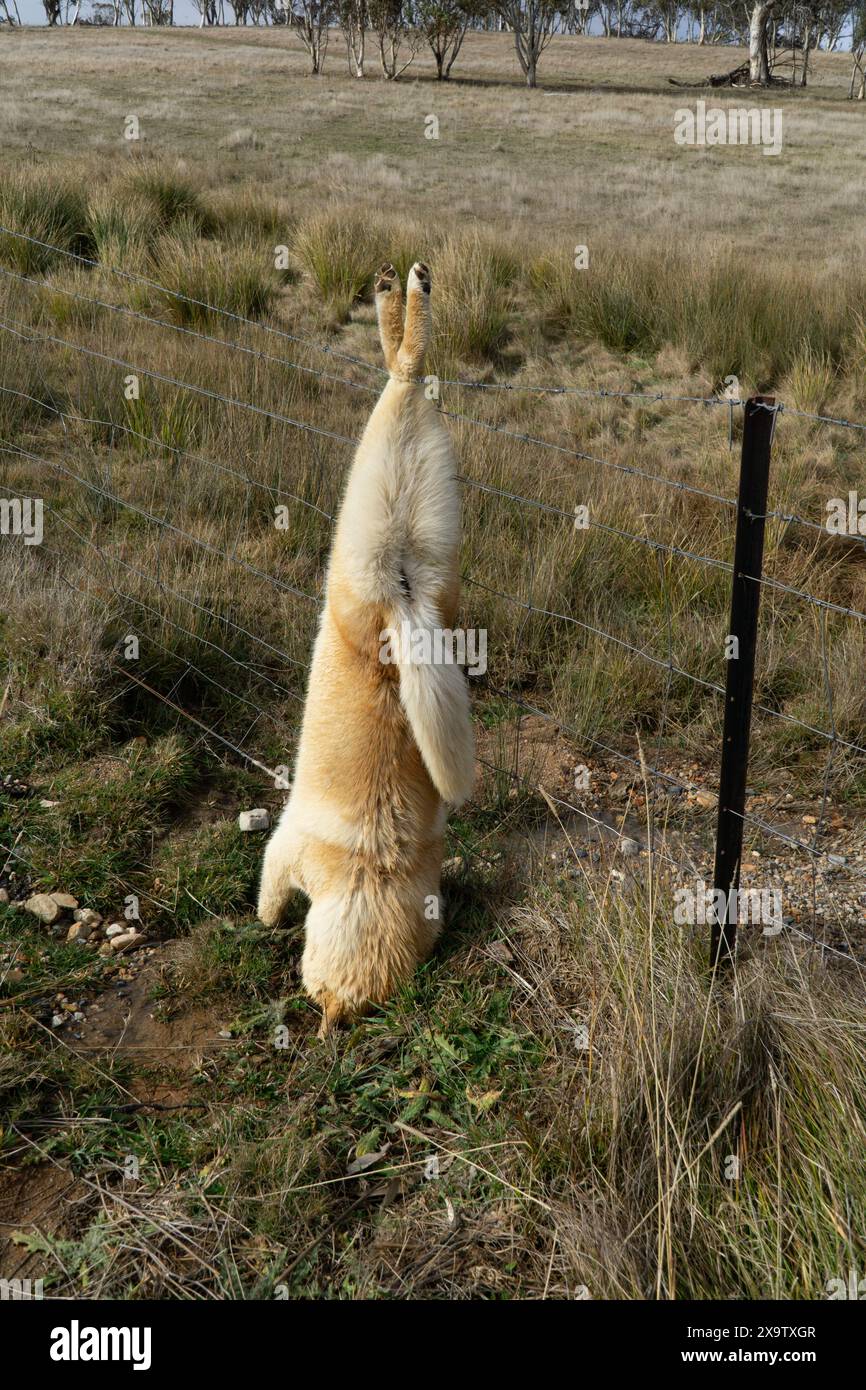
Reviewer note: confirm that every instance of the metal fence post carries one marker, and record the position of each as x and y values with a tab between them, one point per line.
758	422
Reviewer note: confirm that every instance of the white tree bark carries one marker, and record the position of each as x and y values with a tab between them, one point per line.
759	49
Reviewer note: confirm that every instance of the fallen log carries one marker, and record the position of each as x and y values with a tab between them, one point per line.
737	77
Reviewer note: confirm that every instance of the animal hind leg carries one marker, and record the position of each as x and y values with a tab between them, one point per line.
278	881
389	312
416	335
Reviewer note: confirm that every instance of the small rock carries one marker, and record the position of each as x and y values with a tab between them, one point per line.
43	906
64	901
628	848
47	805
127	942
78	1016
837	861
13	786
810	820
708	800
79	931
105	949
257	819
4	895
57	1020
87	917
115	929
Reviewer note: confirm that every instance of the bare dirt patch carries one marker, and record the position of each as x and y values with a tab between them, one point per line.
127	1020
815	854
38	1199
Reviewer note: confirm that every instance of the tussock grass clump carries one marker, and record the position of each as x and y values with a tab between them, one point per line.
67	299
810	380
339	253
729	315
246	212
613	301
710	1144
236	278
124	228
474	278
554	286
39	205
754	321
170	195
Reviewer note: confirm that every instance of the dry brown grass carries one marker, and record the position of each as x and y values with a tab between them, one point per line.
589	154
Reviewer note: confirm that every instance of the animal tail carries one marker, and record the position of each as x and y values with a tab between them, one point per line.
435	697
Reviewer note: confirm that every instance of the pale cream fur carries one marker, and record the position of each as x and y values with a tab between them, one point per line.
383	746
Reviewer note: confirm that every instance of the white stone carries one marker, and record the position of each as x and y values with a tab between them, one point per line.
87	917
127	942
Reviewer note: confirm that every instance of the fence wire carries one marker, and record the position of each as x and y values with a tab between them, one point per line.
108	559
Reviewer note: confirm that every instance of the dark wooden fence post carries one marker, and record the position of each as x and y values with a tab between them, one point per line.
758	422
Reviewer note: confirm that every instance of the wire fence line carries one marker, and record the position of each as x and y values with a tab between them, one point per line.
514	697
597	393
678	485
600	393
681	866
550	508
77	418
279	584
161	522
668	665
20	329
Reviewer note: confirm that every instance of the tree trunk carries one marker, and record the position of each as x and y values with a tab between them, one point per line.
759	57
355	43
806	42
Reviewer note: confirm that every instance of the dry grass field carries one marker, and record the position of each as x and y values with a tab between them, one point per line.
551	1109
589	156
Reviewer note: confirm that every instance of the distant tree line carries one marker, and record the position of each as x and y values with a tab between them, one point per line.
392	33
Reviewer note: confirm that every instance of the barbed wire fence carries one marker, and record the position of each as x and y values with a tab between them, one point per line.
112	575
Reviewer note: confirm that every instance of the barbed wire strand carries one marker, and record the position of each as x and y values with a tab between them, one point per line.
824	606
76	418
161	522
629	470
647	541
475	384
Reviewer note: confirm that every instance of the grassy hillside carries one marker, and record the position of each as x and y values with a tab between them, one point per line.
590	154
